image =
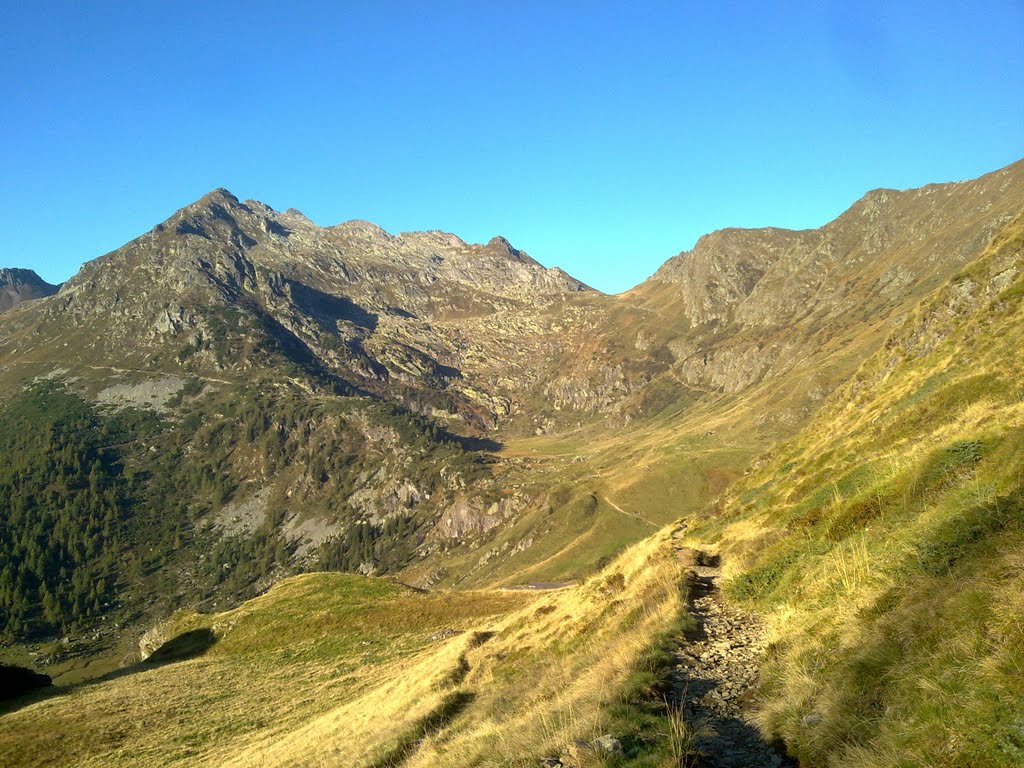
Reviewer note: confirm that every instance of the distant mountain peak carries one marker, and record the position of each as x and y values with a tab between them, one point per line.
10	274
433	238
218	195
220	200
18	285
362	227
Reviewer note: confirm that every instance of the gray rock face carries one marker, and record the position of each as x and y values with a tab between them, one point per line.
887	241
153	638
724	268
19	285
760	303
607	745
467	517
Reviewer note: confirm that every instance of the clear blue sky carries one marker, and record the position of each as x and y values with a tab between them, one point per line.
599	137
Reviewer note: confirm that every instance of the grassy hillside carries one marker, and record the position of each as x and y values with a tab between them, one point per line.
597	491
885	542
330	669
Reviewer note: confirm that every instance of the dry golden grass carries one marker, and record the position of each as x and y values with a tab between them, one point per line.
546	677
280	661
329	670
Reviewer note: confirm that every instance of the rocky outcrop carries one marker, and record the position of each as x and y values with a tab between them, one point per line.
471	517
152	639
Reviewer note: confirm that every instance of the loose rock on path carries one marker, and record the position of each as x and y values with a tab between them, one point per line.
717	668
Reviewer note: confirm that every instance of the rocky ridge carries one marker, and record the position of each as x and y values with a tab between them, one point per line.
759	304
484	337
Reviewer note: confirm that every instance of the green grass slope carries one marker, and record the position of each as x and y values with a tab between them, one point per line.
885	542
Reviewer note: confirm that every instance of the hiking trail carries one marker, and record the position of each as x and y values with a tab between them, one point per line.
717	667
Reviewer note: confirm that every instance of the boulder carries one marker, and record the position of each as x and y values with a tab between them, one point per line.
608	745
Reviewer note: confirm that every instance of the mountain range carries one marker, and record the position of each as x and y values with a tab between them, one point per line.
240	395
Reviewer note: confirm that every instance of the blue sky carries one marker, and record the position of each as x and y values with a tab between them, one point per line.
599	137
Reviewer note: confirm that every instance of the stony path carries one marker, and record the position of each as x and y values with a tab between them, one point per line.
717	667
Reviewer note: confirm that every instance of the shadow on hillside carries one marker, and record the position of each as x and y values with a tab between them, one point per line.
187	645
451	706
728	742
327	310
725	739
20	686
477	444
298	352
16	681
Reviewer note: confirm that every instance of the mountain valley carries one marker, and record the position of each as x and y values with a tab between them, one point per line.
412	501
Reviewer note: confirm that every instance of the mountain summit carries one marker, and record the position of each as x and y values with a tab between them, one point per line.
18	285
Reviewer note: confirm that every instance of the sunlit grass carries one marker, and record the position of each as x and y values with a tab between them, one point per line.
330	669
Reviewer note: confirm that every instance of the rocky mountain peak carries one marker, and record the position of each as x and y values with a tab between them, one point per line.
220	195
361	228
19	285
218	203
295	215
499	245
